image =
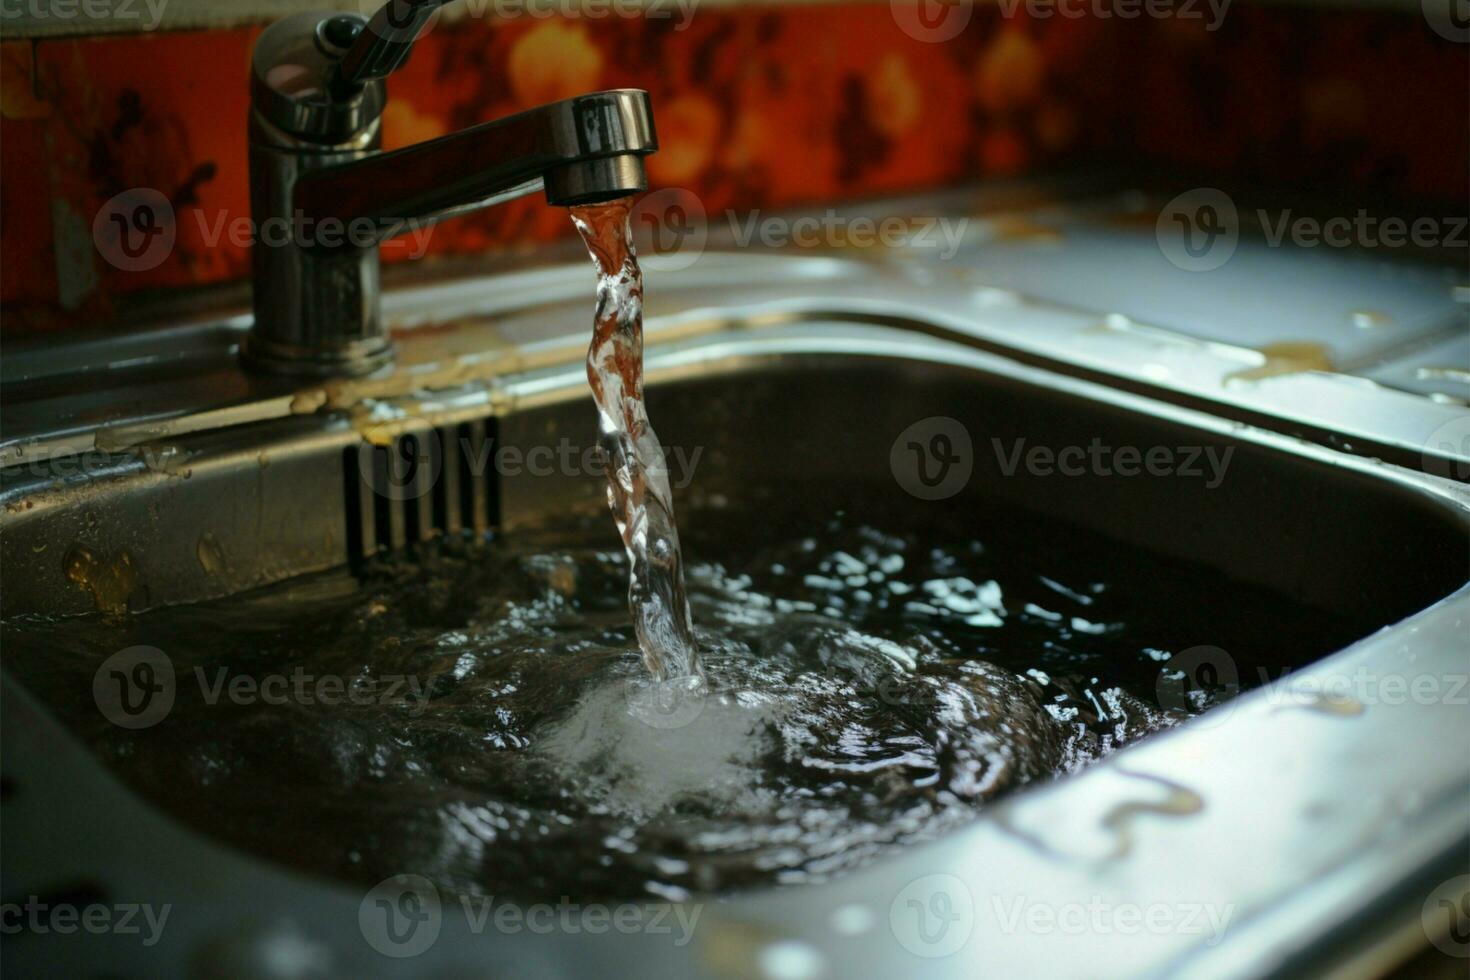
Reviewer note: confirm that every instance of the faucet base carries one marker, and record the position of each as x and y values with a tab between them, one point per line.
351	360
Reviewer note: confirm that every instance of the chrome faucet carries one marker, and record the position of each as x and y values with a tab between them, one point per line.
323	195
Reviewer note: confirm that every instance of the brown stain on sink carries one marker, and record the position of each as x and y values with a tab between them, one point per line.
734	949
210	555
111	582
308	401
1286	357
1118	820
1179	801
1022	228
1336	705
465	358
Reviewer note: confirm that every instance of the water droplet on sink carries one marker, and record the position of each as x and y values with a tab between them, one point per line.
791	959
853	920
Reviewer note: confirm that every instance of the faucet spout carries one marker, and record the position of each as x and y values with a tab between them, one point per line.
318	172
581	151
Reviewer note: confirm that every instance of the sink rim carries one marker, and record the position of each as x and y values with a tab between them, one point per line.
1146	875
498	321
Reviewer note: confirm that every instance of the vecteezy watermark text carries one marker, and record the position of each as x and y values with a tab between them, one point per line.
412	464
304	231
1098	916
1098	458
1364	688
1215	10
138	229
143	15
391	470
137	687
300	686
934	458
402	916
671	230
942	235
1363	230
680	11
1199	230
1207	677
39	916
938	21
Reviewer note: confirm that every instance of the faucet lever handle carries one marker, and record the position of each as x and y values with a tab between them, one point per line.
383	44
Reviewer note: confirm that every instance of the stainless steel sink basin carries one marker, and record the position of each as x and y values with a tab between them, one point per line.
1315	815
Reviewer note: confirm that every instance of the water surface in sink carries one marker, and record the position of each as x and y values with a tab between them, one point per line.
876	676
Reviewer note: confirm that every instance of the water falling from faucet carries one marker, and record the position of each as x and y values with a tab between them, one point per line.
637	476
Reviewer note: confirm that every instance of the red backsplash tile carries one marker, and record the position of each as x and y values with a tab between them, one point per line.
756	107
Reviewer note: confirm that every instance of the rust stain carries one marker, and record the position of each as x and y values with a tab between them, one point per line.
111	582
1287	357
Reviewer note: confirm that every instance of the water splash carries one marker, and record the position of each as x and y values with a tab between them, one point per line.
637	476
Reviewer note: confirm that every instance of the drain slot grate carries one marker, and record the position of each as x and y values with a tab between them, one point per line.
425	483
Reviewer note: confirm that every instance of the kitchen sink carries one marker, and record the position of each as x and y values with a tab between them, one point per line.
1313	813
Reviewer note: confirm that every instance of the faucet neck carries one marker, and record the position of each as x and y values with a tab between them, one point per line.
323	195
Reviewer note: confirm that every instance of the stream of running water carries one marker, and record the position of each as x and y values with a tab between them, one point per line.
637	477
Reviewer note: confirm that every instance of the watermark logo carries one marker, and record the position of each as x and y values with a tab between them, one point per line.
401	916
1198	230
1450	19
933	458
300	687
403	20
1447	450
933	916
932	21
1194	678
670	229
1446	917
667	704
406	468
402	458
135	230
135	688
